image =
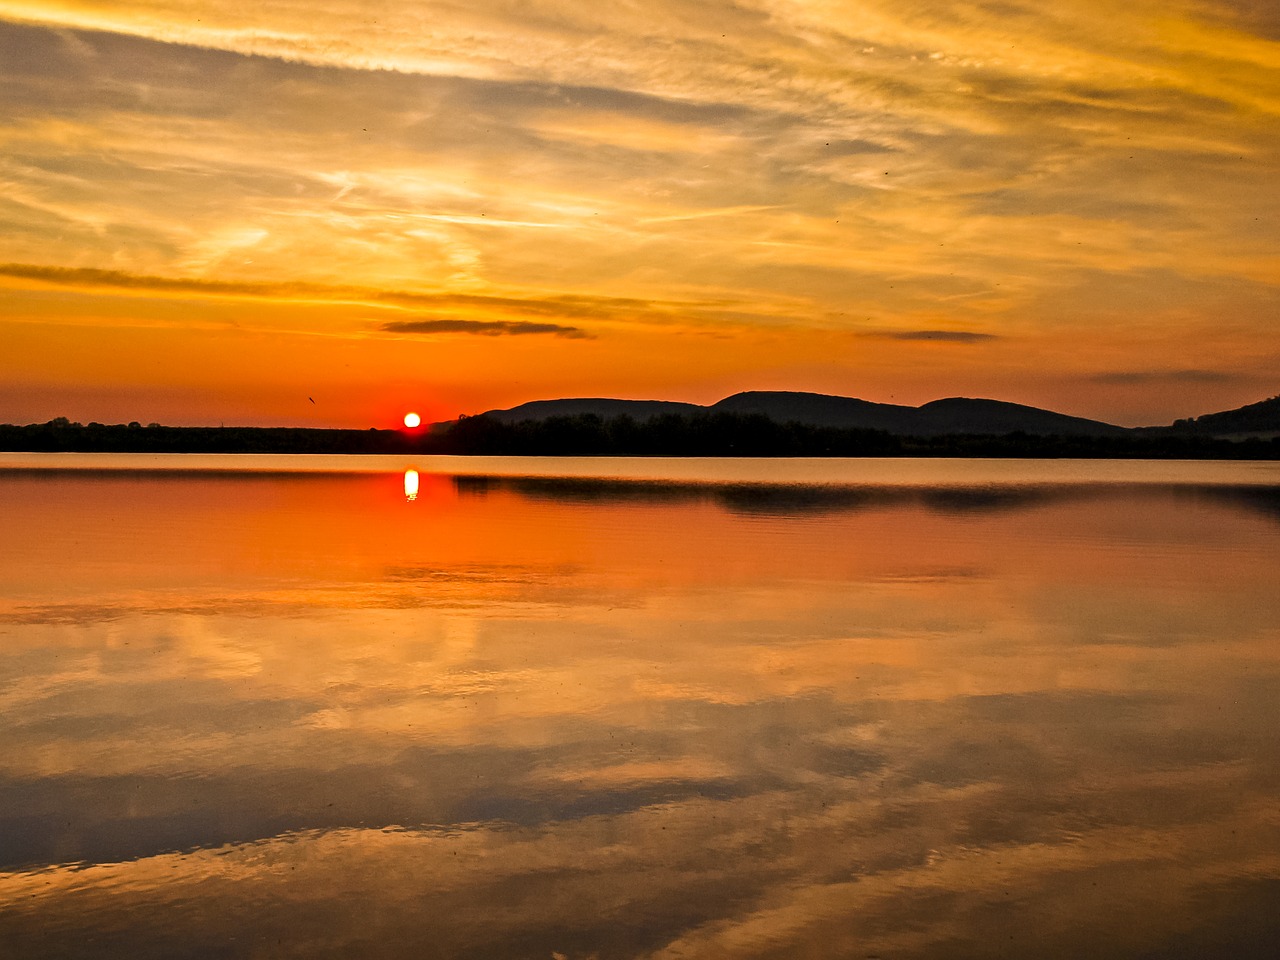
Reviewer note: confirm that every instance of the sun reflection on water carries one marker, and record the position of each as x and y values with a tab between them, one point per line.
411	485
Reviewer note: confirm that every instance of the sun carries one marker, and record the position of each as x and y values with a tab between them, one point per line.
412	420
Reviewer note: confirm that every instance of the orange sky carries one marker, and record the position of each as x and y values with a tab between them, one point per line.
212	213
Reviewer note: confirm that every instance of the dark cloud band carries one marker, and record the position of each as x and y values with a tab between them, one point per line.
485	328
576	306
941	336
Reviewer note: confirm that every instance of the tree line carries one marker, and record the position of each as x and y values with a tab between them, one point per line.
673	435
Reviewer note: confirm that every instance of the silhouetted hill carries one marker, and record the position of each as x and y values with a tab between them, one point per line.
956	415
1260	419
752	424
996	417
819	410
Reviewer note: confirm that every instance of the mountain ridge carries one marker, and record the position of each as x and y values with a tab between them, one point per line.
1253	419
942	417
750	424
950	415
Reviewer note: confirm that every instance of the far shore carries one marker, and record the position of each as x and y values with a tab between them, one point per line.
719	435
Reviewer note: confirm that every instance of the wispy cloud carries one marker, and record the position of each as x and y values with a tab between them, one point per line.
487	328
576	306
704	214
938	336
85	277
483	221
121	280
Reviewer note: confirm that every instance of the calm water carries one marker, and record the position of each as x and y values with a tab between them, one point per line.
622	709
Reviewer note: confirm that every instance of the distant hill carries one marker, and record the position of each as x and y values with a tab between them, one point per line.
965	415
953	416
819	410
752	424
1260	419
956	415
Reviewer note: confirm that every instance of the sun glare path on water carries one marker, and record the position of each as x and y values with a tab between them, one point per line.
412	420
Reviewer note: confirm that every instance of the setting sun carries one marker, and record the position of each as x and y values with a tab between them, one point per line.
412	420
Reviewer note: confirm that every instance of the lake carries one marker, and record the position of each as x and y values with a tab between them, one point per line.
368	707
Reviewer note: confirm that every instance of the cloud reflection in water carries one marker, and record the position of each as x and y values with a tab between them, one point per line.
524	717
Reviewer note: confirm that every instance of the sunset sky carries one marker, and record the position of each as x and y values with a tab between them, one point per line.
329	213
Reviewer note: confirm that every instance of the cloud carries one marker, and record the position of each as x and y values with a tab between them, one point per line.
940	336
85	277
703	214
486	328
119	279
606	309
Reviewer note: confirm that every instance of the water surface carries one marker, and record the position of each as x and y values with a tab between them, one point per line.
318	707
